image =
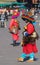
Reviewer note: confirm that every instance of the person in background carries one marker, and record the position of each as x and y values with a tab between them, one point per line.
14	27
3	23
6	15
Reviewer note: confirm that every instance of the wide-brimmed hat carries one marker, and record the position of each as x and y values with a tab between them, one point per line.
29	19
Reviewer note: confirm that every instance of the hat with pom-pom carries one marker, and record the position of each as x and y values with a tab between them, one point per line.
15	14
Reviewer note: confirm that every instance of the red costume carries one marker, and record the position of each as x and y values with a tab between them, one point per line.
31	46
28	42
14	23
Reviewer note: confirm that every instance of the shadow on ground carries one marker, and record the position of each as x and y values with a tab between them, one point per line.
17	44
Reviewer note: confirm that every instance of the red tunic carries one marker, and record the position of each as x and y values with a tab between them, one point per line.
30	28
29	48
14	23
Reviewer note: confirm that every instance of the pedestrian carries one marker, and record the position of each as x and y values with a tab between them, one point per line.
14	27
3	24
6	15
28	43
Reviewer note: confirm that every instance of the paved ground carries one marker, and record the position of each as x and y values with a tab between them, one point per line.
8	53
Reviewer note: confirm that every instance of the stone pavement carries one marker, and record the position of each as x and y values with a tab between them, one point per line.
8	53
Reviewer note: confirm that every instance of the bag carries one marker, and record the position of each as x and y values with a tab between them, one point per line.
33	36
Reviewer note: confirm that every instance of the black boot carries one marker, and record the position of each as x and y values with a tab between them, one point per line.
14	43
